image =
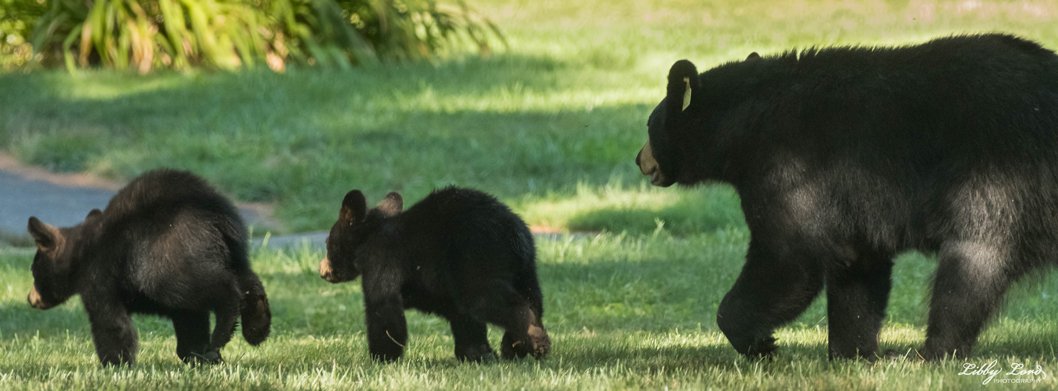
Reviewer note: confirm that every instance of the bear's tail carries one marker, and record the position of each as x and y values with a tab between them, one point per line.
256	316
531	289
527	283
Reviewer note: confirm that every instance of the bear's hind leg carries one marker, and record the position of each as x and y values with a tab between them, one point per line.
525	336
512	346
498	303
471	339
539	345
192	336
226	310
771	291
970	283
856	300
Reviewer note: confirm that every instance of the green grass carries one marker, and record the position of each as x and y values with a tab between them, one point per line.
561	111
623	312
551	126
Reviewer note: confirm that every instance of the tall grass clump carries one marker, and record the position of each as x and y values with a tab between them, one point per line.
143	35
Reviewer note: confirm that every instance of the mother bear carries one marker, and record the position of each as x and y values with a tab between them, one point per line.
844	157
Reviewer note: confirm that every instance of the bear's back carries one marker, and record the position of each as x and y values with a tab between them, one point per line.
172	214
451	207
465	219
944	107
164	189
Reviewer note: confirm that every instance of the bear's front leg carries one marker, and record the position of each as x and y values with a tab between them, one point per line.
387	330
113	334
856	299
773	289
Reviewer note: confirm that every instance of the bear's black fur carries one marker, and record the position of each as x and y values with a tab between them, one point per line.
458	253
167	244
844	157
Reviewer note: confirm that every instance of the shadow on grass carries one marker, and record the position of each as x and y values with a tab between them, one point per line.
510	125
703	209
19	320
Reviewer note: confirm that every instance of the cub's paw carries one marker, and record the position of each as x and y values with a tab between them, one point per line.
211	357
761	348
481	353
539	342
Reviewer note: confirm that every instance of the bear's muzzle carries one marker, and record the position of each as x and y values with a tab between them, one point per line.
649	166
36	301
326	271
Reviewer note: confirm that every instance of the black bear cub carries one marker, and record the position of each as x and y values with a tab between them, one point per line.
458	253
167	244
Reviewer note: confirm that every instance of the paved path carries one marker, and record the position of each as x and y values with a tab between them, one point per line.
21	197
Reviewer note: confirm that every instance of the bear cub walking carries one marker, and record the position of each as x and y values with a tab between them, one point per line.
458	253
167	244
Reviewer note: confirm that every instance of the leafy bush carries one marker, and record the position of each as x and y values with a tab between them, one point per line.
16	18
229	34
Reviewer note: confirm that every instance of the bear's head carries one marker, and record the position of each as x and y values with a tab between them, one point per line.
355	224
59	252
663	155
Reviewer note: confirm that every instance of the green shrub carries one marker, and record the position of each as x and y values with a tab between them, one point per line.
16	17
229	34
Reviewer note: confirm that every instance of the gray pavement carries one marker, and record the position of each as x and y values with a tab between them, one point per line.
22	197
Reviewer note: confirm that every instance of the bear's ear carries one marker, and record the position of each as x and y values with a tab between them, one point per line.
354	207
683	80
753	57
46	236
392	205
94	214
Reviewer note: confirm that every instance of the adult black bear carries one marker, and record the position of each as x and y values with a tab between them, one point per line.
844	157
458	253
167	244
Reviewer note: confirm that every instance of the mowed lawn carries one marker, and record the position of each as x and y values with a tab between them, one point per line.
550	125
623	312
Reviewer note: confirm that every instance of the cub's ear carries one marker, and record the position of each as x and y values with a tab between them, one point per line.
46	236
94	214
354	207
753	57
683	80
392	205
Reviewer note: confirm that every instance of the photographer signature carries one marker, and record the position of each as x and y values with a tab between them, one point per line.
1018	372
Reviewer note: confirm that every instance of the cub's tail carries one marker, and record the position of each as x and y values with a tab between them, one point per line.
256	316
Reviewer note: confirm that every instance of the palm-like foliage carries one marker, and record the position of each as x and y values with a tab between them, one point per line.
229	34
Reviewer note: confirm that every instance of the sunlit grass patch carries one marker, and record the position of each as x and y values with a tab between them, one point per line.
623	310
638	209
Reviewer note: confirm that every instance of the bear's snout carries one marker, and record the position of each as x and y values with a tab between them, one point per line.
649	166
326	271
36	301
